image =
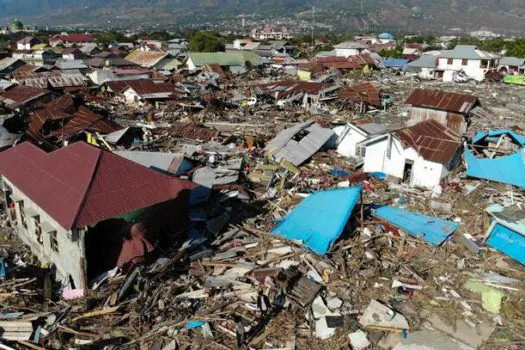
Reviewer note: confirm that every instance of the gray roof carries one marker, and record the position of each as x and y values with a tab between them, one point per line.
70	64
425	61
350	45
511	61
296	152
468	52
166	162
7	62
373	129
6	138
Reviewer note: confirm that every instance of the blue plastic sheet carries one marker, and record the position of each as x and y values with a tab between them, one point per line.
431	229
320	218
507	241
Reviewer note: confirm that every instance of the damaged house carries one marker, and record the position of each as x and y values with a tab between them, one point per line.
451	109
361	97
62	120
420	155
308	93
86	210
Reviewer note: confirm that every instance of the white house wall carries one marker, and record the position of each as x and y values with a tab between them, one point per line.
68	259
347	139
472	69
424	173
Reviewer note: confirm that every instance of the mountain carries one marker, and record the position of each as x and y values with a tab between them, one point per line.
403	15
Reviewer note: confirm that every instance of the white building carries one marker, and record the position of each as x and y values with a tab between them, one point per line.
350	48
351	134
467	58
421	155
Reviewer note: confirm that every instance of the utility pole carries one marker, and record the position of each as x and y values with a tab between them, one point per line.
313	24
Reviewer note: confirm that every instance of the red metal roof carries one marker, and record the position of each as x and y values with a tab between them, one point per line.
81	185
366	92
73	38
432	140
441	100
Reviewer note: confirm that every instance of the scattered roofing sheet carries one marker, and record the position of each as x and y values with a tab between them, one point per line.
366	92
441	100
146	59
507	232
432	140
81	185
508	169
192	132
319	219
237	58
431	229
298	150
287	88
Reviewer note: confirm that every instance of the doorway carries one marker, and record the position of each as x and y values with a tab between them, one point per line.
407	171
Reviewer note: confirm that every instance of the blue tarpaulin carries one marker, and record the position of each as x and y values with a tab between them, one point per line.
431	229
320	218
509	169
395	62
507	241
507	232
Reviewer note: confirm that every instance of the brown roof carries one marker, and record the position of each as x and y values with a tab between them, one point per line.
441	100
148	86
80	185
432	140
366	92
193	132
118	86
19	95
146	58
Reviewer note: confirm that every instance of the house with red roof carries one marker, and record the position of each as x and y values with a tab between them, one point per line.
79	39
86	210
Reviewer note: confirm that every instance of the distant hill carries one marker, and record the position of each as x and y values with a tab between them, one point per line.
404	15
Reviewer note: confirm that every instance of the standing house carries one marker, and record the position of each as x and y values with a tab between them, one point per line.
350	48
420	155
424	67
449	108
142	90
75	207
467	58
27	43
511	65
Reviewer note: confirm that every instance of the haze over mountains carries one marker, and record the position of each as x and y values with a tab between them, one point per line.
404	15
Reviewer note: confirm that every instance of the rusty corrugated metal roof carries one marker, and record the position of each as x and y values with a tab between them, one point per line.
193	132
19	95
366	92
441	100
81	185
432	140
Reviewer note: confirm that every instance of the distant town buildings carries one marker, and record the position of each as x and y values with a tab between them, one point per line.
269	32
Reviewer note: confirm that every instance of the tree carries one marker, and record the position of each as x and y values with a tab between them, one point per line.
206	42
